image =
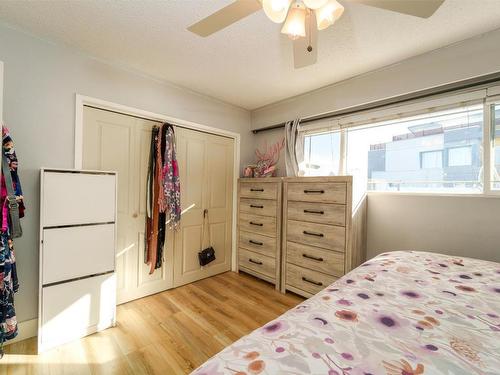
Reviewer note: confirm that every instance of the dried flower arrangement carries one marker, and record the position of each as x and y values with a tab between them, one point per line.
266	161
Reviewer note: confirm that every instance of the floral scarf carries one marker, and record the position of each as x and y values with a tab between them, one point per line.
171	181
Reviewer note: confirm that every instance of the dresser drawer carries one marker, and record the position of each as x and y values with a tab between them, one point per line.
259	224
307	280
260	244
321	235
317	192
257	262
314	258
259	190
263	207
323	213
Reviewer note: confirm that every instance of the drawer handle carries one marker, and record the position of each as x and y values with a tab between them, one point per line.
260	190
255	261
313	234
256	206
314	191
314	212
256	242
258	224
311	257
312	281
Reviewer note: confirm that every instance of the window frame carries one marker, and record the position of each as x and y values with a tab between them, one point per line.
488	104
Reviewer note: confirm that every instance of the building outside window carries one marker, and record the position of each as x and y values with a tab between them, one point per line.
431	159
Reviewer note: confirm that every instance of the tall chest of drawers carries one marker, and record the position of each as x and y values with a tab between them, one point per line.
259	228
316	232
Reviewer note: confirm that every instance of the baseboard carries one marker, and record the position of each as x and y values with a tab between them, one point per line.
26	330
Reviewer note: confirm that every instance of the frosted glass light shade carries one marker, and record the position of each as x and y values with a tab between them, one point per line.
295	24
314	4
328	14
276	10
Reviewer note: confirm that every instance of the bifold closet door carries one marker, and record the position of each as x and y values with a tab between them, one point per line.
121	143
206	164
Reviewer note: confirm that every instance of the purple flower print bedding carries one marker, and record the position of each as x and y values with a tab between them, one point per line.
401	313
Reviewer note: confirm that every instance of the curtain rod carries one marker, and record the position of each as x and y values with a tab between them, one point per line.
448	88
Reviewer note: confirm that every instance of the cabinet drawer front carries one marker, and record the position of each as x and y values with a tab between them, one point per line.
323	213
317	192
314	258
257	262
73	252
259	224
307	280
262	190
263	207
321	235
261	244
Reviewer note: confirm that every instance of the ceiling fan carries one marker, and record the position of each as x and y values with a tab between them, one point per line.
303	18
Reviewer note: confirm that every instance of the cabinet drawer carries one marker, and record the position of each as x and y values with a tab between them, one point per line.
317	192
257	262
323	213
263	207
259	224
321	235
261	244
259	190
314	258
307	280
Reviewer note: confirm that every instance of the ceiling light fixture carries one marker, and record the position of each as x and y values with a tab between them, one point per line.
328	14
295	24
276	10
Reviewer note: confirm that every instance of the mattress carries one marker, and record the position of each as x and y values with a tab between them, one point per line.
402	312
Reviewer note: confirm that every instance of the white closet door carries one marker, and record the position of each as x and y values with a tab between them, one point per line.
206	172
121	143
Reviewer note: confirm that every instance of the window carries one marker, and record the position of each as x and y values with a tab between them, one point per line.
460	156
495	155
322	154
431	159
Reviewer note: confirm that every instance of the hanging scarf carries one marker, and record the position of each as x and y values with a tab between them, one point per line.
171	181
8	274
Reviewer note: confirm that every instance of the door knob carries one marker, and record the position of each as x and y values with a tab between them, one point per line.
135	215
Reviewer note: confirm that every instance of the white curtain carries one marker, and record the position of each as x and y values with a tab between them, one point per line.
294	148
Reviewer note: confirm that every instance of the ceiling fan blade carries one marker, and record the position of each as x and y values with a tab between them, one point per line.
225	17
417	8
302	57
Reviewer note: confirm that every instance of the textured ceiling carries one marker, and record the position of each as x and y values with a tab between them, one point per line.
250	63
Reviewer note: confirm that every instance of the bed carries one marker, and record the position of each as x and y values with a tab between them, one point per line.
402	312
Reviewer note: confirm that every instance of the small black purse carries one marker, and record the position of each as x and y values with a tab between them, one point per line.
206	255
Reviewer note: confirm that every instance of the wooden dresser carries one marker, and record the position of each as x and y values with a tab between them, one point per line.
259	228
318	243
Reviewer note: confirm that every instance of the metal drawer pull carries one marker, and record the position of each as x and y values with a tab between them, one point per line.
314	191
255	261
256	206
313	234
256	242
258	224
311	257
314	212
311	281
261	190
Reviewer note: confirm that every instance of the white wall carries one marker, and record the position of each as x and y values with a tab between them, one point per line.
467	59
462	226
40	82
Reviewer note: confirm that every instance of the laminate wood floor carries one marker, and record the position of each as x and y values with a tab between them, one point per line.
172	332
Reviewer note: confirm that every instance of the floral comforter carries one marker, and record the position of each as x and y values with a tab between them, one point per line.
402	312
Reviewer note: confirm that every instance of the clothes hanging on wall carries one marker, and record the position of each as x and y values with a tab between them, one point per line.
8	274
163	194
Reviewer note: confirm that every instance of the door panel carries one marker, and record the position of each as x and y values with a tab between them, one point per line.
206	168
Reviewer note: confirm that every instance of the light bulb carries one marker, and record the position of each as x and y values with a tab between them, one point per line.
328	14
295	24
276	10
314	4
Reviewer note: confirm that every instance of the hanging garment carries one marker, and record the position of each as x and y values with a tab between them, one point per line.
8	274
171	181
151	237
